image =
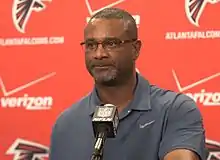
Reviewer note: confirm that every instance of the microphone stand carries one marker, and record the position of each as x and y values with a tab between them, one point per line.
99	146
97	156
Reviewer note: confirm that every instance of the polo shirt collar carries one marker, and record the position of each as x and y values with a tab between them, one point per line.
141	100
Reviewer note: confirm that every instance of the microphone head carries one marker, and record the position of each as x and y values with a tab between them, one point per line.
105	119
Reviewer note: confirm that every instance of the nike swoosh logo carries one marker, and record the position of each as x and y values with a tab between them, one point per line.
182	89
8	93
146	124
91	12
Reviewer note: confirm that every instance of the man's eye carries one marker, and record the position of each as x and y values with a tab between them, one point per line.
112	43
90	45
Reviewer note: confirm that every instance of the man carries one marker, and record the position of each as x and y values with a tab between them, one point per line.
155	124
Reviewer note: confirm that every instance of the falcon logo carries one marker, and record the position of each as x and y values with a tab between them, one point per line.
26	150
22	9
194	9
213	150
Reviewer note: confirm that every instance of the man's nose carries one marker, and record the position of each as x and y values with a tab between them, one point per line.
100	52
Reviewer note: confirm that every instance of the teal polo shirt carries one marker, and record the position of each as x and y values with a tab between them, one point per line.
155	122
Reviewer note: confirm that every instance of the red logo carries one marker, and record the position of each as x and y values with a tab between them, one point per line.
26	150
195	8
22	9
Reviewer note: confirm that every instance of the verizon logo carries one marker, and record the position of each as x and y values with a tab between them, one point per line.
203	97
30	103
206	98
26	101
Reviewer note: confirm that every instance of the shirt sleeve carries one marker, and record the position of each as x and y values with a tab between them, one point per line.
183	130
53	144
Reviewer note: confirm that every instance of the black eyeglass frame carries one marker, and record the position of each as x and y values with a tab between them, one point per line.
120	42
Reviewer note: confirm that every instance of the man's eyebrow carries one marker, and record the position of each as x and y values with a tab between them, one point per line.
90	39
104	39
111	38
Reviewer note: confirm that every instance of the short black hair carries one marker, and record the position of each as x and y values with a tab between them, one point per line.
117	13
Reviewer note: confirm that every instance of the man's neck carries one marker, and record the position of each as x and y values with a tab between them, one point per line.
120	95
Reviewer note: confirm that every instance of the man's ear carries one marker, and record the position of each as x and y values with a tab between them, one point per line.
137	48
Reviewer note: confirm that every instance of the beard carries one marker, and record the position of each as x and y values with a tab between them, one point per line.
105	76
110	76
111	73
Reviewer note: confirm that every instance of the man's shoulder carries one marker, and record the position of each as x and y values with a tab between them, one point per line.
74	111
167	98
174	105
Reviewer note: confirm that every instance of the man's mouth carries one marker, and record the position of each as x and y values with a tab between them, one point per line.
102	66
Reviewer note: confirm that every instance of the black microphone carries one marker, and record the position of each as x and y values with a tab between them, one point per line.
105	123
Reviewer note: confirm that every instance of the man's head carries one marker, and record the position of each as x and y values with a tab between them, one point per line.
111	46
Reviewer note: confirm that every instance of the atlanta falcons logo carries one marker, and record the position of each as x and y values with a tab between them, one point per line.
194	9
213	150
26	150
22	9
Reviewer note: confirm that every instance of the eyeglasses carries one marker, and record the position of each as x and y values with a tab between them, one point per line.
91	45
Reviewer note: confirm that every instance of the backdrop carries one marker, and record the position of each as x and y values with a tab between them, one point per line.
42	69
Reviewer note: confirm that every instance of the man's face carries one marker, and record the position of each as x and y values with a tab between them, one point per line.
112	60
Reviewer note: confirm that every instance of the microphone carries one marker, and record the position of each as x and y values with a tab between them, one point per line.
105	123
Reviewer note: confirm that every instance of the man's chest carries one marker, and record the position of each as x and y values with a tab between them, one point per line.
138	137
